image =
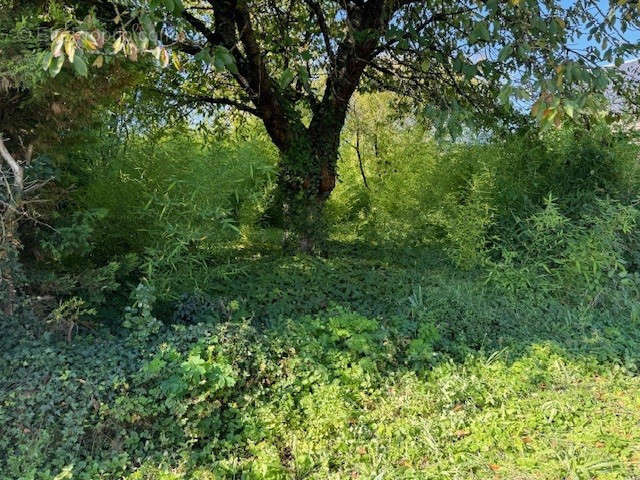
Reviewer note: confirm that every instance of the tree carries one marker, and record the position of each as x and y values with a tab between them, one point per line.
296	64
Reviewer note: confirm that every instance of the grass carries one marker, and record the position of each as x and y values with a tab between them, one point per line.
541	416
371	363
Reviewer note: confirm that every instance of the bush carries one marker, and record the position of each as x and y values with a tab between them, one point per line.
467	198
178	193
151	204
578	258
138	317
67	282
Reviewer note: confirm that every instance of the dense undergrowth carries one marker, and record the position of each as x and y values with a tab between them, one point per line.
474	314
367	364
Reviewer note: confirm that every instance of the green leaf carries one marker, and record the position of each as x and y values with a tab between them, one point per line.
480	32
601	80
457	64
227	58
569	109
568	72
469	70
218	62
178	7
143	41
80	66
150	29
578	72
222	59
286	78
56	66
304	76
505	53
46	61
203	55
232	67
147	23
505	93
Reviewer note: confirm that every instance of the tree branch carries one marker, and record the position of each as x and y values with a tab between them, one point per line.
222	101
187	99
368	22
213	37
269	103
322	23
18	173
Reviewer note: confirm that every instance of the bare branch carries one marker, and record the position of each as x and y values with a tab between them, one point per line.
16	168
221	101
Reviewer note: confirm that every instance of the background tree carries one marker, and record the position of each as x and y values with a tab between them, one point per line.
296	64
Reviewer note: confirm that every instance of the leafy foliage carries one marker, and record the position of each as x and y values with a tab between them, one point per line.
139	317
297	72
420	388
179	192
474	313
473	198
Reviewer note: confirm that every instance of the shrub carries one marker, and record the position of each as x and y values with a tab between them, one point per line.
67	281
69	315
574	257
178	399
178	193
467	198
138	317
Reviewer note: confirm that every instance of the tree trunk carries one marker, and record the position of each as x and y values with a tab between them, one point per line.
307	176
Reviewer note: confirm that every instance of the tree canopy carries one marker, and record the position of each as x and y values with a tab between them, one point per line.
263	56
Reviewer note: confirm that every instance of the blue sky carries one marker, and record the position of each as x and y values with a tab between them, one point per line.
633	36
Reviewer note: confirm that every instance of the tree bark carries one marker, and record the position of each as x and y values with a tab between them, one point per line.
307	176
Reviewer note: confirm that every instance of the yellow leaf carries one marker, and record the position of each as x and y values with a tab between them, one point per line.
176	60
132	51
70	47
89	42
117	45
99	61
58	43
156	52
164	58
